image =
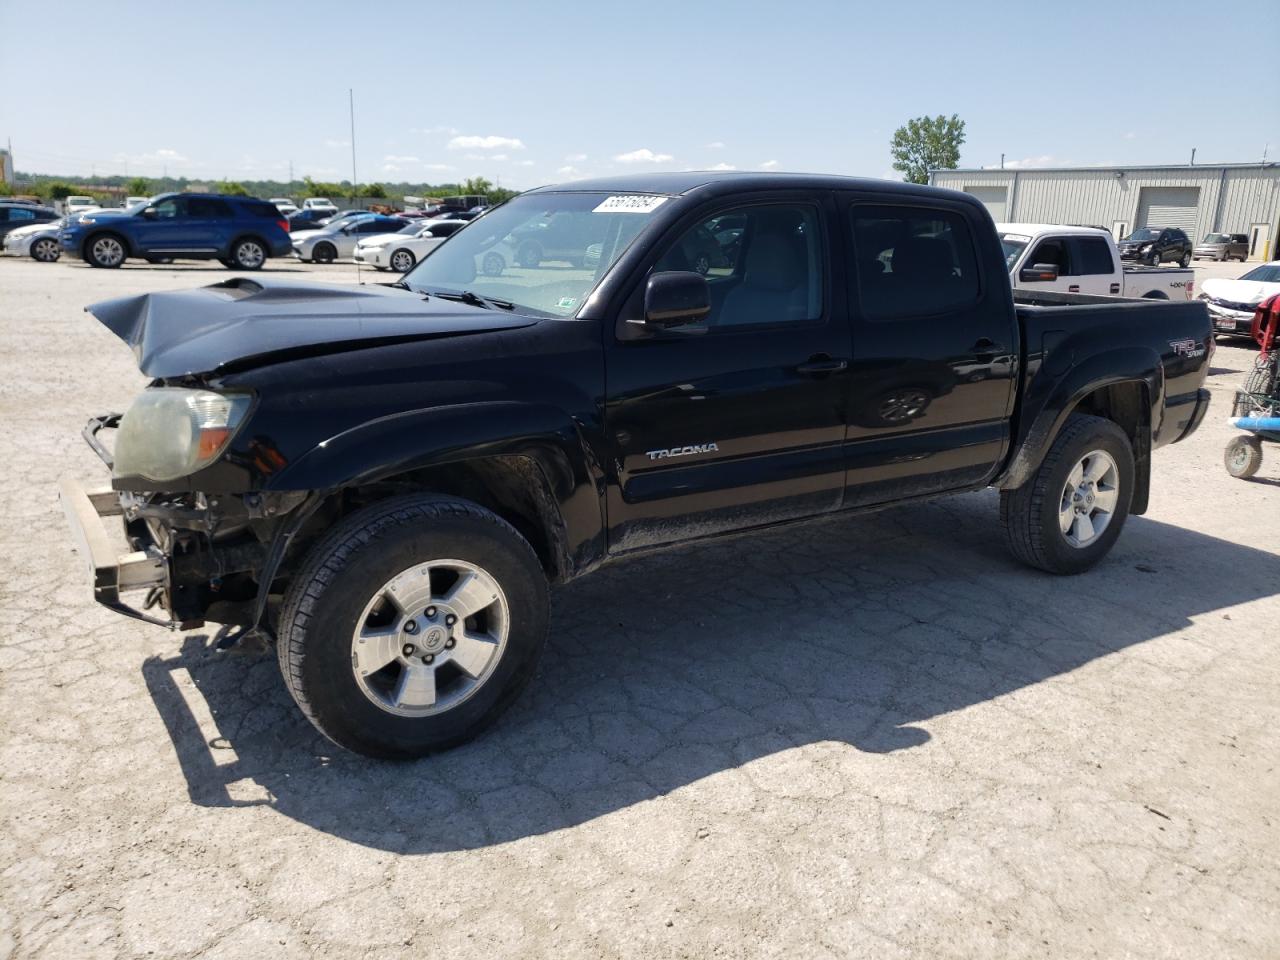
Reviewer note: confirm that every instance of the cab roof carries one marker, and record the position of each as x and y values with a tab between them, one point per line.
730	181
1034	229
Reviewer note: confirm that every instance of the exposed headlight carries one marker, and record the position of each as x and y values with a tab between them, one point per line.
171	432
86	220
1146	248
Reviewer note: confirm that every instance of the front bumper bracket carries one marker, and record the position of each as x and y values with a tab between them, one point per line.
110	572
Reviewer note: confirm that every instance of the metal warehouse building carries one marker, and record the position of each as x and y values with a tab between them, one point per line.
1226	198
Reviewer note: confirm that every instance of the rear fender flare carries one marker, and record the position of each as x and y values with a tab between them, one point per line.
1047	406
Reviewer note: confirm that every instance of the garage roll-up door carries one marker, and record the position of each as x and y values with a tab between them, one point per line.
993	198
1169	207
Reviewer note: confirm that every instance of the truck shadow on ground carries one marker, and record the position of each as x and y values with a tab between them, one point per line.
673	667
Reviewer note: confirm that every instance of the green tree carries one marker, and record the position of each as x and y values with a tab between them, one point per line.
927	143
476	185
231	187
139	187
59	191
374	191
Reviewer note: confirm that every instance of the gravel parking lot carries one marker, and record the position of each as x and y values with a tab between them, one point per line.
874	737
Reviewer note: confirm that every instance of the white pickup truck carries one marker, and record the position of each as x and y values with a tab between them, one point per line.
1043	256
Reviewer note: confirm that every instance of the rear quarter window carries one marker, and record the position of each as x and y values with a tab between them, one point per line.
258	208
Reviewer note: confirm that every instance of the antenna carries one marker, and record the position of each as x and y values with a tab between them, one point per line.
355	184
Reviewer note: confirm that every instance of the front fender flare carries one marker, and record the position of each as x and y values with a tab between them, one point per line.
437	436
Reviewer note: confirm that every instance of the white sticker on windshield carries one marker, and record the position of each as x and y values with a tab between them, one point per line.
630	205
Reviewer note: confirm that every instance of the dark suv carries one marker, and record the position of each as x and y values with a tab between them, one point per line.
15	214
241	232
1156	245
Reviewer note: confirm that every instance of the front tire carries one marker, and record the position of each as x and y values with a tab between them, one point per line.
105	250
1069	514
412	626
402	261
324	253
1243	457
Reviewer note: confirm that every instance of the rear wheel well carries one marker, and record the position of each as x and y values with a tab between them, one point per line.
513	487
1128	406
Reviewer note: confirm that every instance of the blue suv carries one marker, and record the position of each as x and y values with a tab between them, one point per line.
241	232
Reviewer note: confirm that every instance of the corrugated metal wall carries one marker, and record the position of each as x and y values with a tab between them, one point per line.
1230	198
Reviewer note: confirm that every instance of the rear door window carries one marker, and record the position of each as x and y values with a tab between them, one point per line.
912	261
1091	256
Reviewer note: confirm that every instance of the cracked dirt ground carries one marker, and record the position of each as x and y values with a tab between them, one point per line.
875	738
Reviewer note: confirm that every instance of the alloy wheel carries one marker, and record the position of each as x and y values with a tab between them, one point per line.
108	251
1089	498
45	250
430	638
250	255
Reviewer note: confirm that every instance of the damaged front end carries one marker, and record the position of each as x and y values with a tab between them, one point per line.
178	559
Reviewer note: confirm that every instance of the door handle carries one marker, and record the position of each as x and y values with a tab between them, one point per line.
985	345
820	366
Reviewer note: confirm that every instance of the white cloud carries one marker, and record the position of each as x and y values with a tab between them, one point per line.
1044	160
524	163
335	144
769	165
575	158
644	155
570	173
485	143
162	157
723	166
438	166
1131	135
715	145
499	156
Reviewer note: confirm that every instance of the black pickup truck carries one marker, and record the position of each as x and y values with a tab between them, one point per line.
385	479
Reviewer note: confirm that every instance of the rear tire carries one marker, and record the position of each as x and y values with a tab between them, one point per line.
248	254
350	586
1243	457
46	250
1033	514
1185	261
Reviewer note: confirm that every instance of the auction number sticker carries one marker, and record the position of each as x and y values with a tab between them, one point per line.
633	204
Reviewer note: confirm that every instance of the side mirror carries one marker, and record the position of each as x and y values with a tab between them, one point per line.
149	213
1038	273
675	298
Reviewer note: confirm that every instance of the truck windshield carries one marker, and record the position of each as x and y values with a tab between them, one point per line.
539	253
1013	244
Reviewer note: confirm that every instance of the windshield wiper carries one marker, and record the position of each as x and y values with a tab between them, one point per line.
473	299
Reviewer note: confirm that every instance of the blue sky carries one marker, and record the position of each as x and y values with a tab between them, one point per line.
558	90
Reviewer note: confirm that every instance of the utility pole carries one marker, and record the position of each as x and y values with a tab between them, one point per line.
1002	161
1193	156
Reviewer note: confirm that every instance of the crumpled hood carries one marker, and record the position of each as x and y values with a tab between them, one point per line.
249	322
1239	291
